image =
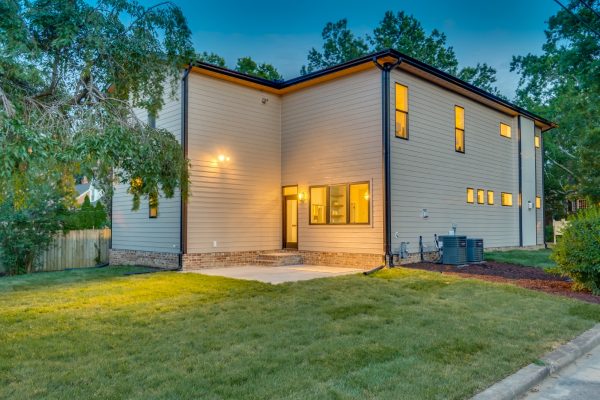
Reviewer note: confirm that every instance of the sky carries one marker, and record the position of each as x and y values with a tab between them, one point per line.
282	32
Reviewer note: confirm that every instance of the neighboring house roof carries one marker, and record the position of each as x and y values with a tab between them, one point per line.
82	188
408	64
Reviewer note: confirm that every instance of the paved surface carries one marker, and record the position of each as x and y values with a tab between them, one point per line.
288	273
579	381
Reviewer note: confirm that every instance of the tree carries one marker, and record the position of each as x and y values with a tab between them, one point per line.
247	65
70	74
563	84
401	32
340	45
211	58
406	34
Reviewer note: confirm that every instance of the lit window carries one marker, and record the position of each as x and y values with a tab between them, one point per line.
536	141
459	129
581	203
538	202
480	196
470	195
338	197
153	205
290	190
318	205
507	199
359	203
505	130
401	111
490	197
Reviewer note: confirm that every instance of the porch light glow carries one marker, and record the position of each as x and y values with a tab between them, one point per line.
301	196
222	158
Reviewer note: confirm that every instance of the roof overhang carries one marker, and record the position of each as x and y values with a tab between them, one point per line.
407	64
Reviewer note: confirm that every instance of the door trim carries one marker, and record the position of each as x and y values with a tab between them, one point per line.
284	242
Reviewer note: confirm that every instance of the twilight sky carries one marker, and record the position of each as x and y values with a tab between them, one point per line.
282	32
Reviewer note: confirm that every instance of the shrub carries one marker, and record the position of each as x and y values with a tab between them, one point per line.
578	253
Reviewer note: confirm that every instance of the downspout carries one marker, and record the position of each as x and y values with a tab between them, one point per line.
520	187
386	150
184	144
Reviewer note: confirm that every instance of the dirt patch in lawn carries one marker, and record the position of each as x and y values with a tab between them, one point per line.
527	277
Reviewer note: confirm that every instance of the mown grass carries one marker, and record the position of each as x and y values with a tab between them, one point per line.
396	334
528	258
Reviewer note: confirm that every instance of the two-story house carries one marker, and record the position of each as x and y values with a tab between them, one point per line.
341	167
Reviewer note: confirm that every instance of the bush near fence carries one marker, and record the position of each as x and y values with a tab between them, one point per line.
75	249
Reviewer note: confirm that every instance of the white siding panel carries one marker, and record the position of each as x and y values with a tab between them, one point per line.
426	172
332	134
237	202
134	230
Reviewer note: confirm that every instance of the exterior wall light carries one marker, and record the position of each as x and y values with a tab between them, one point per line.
302	197
222	158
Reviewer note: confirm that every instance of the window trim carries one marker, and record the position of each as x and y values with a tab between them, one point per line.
328	199
310	188
402	111
488	198
482	191
502	199
464	146
473	193
368	183
504	136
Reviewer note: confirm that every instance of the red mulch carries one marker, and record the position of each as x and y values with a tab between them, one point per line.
527	277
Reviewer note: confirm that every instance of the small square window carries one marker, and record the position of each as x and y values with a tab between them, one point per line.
480	196
470	195
490	197
506	199
505	130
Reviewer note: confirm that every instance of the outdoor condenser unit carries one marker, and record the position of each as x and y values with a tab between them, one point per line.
454	249
474	250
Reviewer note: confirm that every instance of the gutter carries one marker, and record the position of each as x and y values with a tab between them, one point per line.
184	143
386	150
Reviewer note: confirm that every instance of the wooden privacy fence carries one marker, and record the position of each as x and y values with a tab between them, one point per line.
75	249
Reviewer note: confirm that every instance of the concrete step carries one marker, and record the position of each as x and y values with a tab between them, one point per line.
277	259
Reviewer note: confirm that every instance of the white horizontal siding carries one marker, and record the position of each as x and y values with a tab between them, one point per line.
426	172
237	202
539	189
332	134
134	230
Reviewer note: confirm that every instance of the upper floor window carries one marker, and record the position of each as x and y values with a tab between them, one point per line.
536	141
538	202
459	129
401	111
505	130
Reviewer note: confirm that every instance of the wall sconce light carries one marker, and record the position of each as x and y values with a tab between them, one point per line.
366	196
222	158
302	197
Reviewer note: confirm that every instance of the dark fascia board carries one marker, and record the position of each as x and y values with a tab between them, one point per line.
278	85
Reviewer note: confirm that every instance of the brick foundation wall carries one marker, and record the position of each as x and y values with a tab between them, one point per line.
223	259
339	259
145	258
416	257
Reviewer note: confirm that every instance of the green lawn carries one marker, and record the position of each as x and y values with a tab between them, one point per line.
395	334
528	258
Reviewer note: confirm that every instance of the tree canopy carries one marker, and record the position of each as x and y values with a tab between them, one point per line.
245	65
563	85
401	32
71	73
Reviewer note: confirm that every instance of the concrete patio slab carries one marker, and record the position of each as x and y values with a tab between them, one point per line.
275	275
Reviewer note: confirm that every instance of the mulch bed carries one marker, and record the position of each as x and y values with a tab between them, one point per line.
527	277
